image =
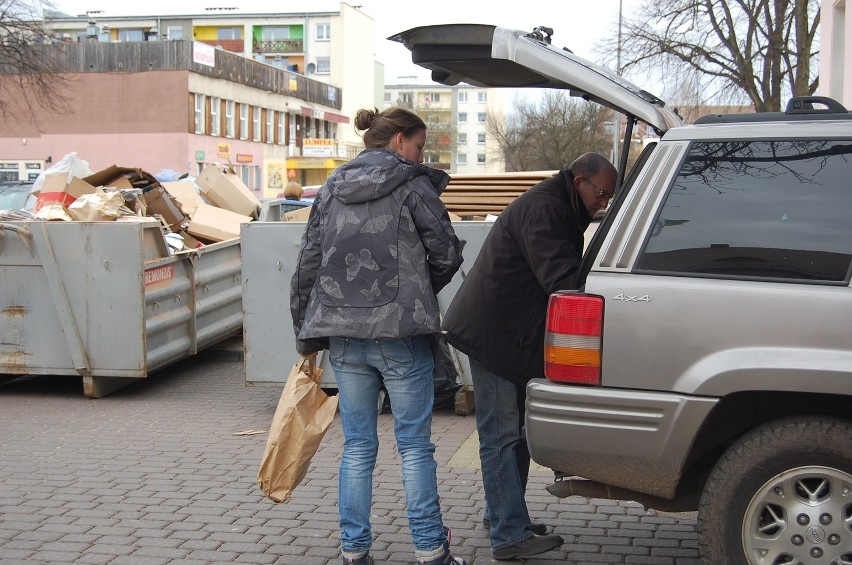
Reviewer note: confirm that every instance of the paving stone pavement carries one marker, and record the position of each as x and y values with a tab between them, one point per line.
156	473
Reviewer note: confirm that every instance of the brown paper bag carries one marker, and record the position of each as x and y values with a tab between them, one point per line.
303	415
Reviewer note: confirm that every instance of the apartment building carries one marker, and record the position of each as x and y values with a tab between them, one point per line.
263	91
458	140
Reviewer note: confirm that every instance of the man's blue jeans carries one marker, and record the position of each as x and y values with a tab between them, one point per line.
406	366
503	454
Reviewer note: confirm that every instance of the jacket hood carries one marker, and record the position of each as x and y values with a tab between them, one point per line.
378	172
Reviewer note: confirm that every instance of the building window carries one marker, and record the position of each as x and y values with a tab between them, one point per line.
215	116
131	35
174	32
199	113
282	121
275	33
244	121
480	117
462	117
387	97
256	129
462	138
229	118
480	137
480	158
323	65
462	96
270	126
323	32
229	33
461	159
480	96
431	158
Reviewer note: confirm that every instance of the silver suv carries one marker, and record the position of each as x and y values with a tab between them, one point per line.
706	361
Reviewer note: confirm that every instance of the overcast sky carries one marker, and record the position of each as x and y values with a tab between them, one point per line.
577	24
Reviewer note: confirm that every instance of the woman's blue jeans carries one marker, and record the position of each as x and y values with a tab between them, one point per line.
405	365
503	454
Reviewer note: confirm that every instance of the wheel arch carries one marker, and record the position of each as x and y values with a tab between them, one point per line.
738	413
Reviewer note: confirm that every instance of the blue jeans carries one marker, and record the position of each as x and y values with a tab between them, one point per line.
503	453
406	365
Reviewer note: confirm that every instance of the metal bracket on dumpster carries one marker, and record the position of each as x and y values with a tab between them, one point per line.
63	306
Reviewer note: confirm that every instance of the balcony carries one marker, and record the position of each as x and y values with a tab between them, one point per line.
146	56
284	46
232	45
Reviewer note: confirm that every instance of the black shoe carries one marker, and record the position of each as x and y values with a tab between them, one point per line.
528	547
365	559
537	528
445	559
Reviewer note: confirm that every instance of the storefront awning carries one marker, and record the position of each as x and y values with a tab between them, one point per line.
314	162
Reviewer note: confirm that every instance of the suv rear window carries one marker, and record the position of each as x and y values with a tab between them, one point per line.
757	210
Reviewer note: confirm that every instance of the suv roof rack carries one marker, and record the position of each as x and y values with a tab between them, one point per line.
798	108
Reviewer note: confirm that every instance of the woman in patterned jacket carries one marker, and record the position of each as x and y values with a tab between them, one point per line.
377	248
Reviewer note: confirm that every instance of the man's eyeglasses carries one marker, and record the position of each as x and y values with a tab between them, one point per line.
601	194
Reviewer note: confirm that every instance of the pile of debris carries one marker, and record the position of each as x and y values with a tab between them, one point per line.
193	212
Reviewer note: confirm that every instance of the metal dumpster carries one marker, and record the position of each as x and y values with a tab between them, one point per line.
105	300
269	254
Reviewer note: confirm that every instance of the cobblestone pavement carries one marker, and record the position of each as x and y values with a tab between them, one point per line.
158	473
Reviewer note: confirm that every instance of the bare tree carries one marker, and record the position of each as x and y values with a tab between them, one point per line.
548	133
755	50
30	66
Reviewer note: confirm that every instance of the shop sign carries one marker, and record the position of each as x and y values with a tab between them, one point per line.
223	149
308	163
203	54
243	158
318	147
199	155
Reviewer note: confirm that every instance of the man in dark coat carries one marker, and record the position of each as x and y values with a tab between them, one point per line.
497	319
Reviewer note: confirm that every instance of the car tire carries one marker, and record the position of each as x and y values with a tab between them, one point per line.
781	494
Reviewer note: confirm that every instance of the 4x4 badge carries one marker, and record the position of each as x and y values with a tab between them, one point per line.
629	298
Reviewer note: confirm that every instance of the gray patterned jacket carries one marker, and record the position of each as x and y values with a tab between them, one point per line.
377	247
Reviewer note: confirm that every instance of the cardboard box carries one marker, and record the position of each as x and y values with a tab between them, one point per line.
56	191
300	215
160	202
216	224
222	187
186	195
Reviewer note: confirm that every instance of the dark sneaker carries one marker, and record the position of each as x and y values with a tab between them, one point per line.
365	559
528	547
537	528
445	559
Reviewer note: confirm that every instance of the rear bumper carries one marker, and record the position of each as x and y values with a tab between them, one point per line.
636	440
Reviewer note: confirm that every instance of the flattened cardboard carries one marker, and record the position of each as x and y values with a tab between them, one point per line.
300	215
216	224
225	189
121	177
189	241
186	195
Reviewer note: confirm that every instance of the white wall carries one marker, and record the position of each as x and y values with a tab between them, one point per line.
835	69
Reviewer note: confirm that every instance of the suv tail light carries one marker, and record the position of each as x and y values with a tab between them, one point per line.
572	341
